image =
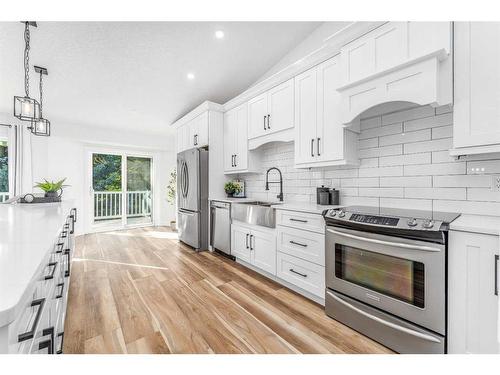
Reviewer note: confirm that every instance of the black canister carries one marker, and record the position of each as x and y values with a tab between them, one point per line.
322	195
334	197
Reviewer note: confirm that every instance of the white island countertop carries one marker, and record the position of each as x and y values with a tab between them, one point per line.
27	233
477	224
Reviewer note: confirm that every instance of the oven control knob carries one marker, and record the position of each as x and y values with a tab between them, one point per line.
428	224
342	213
412	222
333	212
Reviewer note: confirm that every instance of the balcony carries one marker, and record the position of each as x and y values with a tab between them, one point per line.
108	206
4	196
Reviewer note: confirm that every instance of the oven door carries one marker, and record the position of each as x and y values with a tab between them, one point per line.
400	276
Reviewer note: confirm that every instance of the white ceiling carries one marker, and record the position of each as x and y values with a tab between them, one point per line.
132	75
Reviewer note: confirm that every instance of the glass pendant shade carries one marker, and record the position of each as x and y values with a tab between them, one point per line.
26	108
40	127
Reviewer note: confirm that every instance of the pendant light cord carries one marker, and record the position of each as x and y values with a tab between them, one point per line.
41	93
27	59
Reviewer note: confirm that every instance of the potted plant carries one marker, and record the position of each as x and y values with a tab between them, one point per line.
171	190
52	189
231	188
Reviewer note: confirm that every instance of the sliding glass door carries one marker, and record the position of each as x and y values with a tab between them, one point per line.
121	190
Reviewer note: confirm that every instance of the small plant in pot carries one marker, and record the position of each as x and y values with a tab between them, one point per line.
171	193
52	189
231	188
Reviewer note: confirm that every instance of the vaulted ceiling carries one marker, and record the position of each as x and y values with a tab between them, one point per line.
133	75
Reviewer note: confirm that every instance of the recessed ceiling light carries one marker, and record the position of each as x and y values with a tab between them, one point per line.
190	76
219	34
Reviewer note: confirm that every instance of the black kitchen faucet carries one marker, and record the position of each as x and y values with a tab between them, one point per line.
280	195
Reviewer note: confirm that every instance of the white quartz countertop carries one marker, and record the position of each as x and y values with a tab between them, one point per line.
312	208
477	224
27	233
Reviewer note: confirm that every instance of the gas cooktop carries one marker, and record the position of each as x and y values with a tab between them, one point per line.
391	218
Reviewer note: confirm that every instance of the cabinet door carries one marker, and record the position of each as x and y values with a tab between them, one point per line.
280	107
257	116
263	246
192	133
477	84
306	108
230	131
330	132
472	303
202	130
183	136
240	242
180	139
241	138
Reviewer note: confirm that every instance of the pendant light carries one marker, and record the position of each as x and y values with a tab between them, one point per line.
26	108
41	126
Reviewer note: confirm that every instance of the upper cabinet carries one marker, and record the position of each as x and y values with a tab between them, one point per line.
237	158
193	133
320	137
272	111
476	111
398	61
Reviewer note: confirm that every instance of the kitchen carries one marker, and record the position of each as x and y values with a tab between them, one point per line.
343	198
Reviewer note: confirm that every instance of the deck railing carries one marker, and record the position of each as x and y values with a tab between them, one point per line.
108	204
4	196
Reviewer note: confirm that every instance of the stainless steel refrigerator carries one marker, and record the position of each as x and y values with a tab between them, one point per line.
192	197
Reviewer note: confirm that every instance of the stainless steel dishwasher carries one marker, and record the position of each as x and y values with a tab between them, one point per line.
220	218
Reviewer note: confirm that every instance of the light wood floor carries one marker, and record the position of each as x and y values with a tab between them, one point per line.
142	291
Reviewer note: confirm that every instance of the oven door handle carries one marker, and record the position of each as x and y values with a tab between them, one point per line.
385	322
387	243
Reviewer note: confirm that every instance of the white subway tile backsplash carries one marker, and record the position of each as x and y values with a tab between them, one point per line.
420	181
413	170
436	193
407	159
417	136
435	169
435	145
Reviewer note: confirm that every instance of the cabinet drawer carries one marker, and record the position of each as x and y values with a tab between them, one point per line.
302	244
301	220
305	275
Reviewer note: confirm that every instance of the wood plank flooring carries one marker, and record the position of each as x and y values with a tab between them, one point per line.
142	291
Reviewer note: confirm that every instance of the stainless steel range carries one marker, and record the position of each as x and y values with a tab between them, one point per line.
386	275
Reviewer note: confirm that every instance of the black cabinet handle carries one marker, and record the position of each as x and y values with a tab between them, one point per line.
298	273
51	274
317	145
496	275
298	220
246	240
251	246
265	122
235	164
268	122
49	343
73	214
59	247
298	243
29	334
312	147
59	348
64	234
61	291
68	269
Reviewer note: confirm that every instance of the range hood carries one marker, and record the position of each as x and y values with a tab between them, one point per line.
396	63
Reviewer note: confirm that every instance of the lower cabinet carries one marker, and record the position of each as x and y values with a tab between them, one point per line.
473	287
304	274
254	245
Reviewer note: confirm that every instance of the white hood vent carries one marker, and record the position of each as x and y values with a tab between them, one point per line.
398	61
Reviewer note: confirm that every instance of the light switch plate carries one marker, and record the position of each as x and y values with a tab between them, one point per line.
495	183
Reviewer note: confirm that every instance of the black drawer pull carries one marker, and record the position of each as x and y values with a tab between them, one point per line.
246	241
61	291
60	246
59	347
496	275
29	335
73	214
51	274
67	252
298	273
47	344
298	220
64	234
298	243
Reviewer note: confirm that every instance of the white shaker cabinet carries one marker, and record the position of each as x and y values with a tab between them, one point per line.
193	133
320	137
476	117
473	282
271	111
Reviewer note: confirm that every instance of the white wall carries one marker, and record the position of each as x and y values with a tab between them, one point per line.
64	154
405	163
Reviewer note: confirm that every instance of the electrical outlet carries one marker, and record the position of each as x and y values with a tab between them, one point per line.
495	183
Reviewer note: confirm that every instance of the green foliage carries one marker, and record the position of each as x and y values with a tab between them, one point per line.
4	167
51	186
172	186
138	174
232	187
107	172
